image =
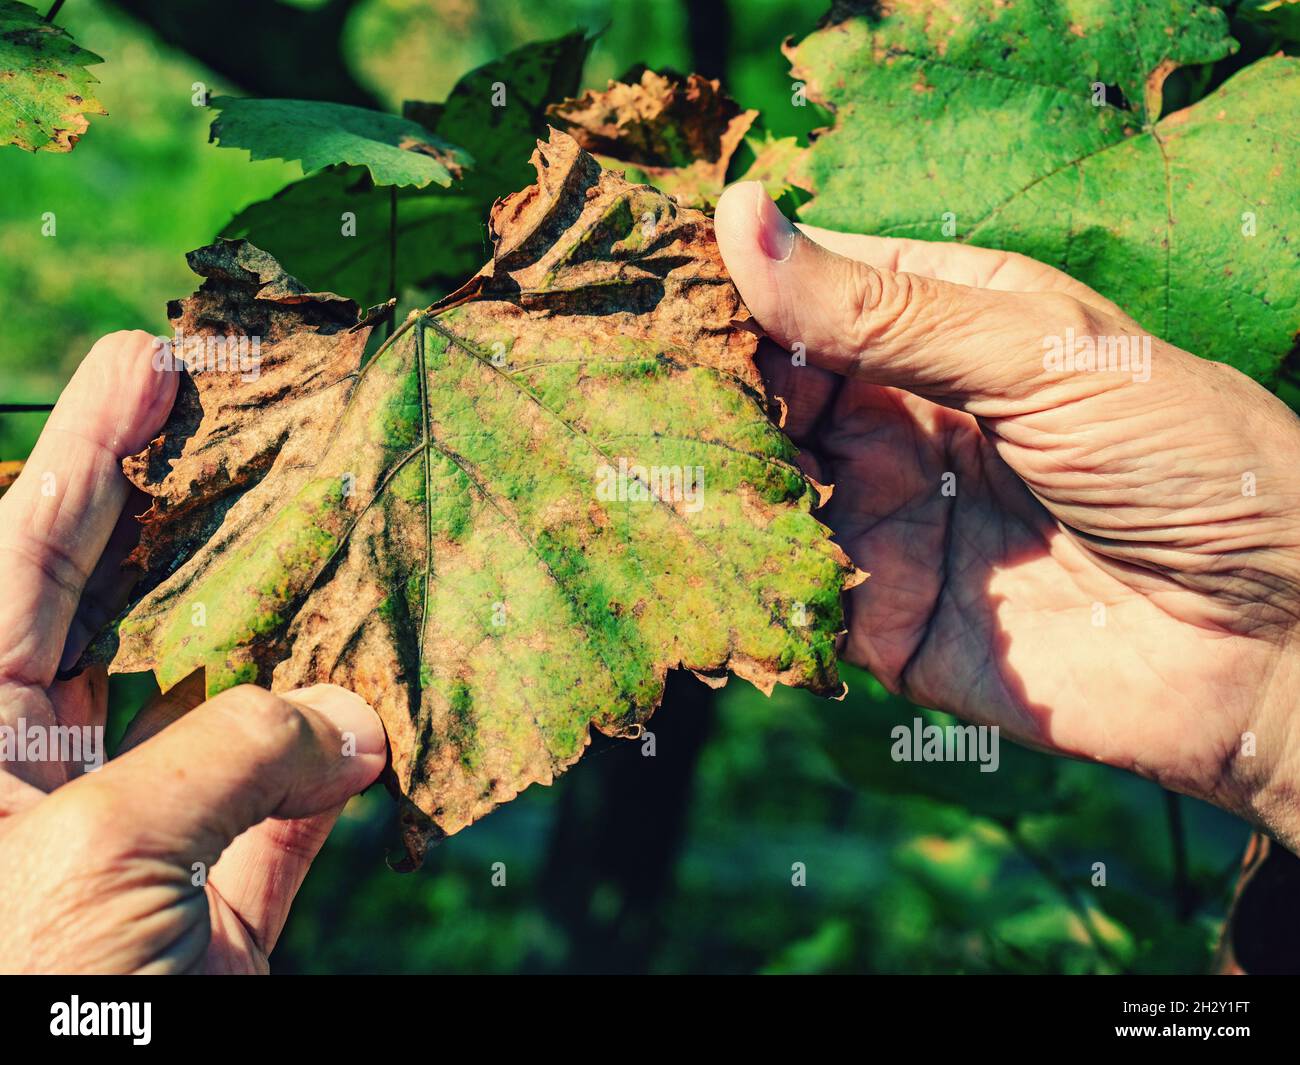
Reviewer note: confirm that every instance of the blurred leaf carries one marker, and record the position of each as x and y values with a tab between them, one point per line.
675	133
859	738
44	85
1053	937
829	949
266	48
1162	944
963	867
500	108
395	150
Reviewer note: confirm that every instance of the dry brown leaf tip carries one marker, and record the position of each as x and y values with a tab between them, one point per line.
679	132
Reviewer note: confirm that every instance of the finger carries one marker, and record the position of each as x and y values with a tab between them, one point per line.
243	756
58	515
961	264
17	795
109	588
82	703
260	873
980	350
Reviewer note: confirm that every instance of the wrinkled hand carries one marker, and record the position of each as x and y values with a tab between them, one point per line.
117	870
1105	566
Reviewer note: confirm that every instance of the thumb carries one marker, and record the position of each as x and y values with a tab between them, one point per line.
242	757
974	348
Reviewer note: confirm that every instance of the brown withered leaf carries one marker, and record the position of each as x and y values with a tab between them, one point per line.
9	472
676	133
536	498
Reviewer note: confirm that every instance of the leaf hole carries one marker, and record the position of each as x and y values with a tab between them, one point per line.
1115	98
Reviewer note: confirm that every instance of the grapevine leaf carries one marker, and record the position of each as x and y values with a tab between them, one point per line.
333	228
500	108
395	150
777	163
1038	128
675	133
45	88
862	739
536	498
1279	18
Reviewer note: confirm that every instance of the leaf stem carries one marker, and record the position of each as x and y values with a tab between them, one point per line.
54	10
392	252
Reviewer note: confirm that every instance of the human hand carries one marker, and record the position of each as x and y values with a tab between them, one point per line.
117	870
1104	566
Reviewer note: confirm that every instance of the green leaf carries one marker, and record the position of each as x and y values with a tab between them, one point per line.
859	736
776	163
45	92
500	108
306	227
333	230
395	150
984	116
462	531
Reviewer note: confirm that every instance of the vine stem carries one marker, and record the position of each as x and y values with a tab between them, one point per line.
1184	901
392	253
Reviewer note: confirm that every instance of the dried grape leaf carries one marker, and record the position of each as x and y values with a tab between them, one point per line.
535	499
677	134
395	150
45	88
9	472
1038	128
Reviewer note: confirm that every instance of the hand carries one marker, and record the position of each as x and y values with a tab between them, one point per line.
117	870
1105	566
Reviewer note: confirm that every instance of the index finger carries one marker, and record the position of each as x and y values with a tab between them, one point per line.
57	516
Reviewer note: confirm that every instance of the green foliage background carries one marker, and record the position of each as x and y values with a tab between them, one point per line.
682	862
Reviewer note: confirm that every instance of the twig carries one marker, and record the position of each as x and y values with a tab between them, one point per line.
1184	897
1064	888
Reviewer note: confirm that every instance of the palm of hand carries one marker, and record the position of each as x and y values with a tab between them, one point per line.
1096	572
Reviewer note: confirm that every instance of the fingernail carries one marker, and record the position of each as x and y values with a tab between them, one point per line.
348	713
775	233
